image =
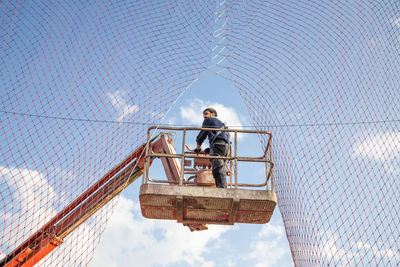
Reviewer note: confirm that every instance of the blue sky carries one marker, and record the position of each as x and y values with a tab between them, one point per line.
131	238
322	76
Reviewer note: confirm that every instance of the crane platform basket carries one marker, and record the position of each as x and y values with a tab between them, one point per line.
189	195
208	205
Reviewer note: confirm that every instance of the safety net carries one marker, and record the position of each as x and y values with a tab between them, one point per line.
81	81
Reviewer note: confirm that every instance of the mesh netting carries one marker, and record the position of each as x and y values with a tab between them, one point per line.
82	81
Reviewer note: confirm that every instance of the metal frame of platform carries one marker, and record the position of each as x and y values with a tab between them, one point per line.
188	196
170	158
195	204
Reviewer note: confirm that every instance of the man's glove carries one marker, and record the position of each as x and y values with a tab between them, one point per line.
207	150
197	150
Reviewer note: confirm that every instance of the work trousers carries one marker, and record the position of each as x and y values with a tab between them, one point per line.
219	148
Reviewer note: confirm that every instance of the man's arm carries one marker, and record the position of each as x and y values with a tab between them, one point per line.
199	141
200	138
207	123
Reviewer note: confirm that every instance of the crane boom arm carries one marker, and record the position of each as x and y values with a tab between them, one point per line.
51	235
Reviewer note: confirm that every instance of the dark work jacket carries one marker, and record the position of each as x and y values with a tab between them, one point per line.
212	123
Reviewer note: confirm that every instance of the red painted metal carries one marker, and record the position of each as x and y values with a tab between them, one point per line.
204	178
171	165
50	235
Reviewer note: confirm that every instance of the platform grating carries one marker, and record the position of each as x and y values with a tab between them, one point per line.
195	204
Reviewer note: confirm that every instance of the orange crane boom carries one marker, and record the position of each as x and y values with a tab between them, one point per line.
51	235
192	205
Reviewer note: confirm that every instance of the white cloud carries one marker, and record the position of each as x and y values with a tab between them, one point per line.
374	249
330	249
129	239
269	247
30	207
31	204
193	114
396	21
32	189
362	250
383	147
122	106
380	146
75	249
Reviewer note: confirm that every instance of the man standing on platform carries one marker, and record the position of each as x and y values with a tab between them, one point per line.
219	145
